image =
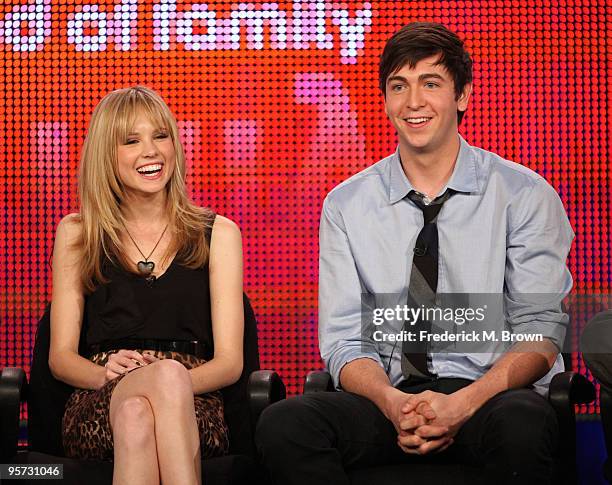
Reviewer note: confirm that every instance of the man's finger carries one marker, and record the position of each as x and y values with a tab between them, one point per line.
410	440
407	449
412	422
429	431
421	407
425	409
433	445
410	406
442	448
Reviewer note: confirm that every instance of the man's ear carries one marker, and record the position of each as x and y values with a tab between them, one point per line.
464	97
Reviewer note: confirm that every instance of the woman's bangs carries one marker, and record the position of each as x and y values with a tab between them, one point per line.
156	113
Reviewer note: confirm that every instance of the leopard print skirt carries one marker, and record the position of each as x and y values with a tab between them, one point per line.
86	431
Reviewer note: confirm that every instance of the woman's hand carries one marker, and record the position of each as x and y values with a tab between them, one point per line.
125	361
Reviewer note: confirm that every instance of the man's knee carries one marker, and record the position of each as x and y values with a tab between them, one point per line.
284	423
522	419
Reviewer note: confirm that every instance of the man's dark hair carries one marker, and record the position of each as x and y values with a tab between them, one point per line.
420	40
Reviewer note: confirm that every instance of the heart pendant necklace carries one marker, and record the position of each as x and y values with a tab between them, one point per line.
145	268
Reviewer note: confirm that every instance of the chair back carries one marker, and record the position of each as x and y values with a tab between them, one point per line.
235	397
46	396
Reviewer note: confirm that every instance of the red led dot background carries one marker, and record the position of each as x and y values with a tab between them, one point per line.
277	103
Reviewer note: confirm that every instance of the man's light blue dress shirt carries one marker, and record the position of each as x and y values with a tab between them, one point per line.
504	231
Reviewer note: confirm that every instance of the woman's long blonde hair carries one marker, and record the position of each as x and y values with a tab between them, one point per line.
101	191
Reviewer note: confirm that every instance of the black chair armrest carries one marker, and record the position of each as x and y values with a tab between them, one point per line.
13	386
569	388
318	381
265	387
566	388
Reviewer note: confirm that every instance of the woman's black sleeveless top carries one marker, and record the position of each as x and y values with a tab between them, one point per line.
176	306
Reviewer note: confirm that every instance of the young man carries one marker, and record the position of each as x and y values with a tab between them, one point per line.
436	217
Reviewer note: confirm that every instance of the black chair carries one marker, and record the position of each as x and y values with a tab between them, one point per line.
596	348
566	389
605	411
46	397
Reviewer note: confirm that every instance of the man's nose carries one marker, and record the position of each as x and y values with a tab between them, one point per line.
414	98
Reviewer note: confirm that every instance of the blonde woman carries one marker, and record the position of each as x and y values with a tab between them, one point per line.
158	282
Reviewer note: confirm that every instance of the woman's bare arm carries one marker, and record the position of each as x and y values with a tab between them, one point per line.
227	312
67	312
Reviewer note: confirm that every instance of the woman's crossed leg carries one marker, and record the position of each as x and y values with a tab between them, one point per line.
155	433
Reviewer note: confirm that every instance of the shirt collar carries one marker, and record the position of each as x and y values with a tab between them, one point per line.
466	176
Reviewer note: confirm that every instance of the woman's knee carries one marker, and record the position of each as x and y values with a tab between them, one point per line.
132	422
170	379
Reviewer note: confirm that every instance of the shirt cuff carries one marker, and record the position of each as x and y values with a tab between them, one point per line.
345	356
554	331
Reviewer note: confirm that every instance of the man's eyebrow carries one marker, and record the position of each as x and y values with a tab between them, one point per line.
431	75
422	77
395	78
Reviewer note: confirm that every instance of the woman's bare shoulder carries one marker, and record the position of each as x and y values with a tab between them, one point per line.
225	226
225	237
69	228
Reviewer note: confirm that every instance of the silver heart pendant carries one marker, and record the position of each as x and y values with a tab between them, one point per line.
145	268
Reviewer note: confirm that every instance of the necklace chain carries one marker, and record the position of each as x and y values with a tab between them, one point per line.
146	258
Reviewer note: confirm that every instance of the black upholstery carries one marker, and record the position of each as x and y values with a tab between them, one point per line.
605	408
47	397
566	389
596	348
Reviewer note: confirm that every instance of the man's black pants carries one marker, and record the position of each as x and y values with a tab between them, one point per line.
313	439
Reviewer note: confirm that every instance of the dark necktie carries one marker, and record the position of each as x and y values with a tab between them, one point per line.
423	284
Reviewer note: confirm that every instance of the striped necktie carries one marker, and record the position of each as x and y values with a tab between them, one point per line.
423	284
